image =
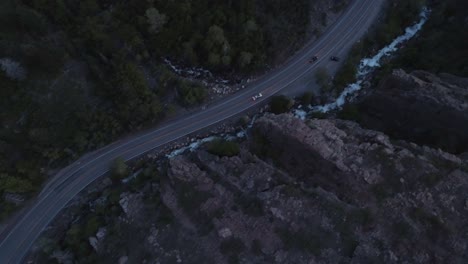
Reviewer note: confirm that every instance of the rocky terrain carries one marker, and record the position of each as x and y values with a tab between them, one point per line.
314	191
420	107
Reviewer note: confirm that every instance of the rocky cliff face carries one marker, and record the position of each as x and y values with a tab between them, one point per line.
420	107
338	193
399	200
315	191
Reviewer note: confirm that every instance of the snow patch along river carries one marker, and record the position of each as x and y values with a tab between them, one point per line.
366	66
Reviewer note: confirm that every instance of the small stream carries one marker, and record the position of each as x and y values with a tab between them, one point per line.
194	145
367	66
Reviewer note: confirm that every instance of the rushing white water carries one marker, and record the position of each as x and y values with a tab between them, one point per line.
301	114
190	147
194	72
367	65
193	146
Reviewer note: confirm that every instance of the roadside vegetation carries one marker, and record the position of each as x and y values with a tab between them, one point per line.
398	15
222	147
280	104
306	98
322	77
442	44
100	214
119	169
440	47
75	75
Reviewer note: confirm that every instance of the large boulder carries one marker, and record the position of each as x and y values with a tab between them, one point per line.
131	204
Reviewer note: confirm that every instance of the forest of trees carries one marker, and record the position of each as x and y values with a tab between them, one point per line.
77	74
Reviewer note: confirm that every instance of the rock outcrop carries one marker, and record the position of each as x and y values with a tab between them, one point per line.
314	191
420	107
336	193
131	204
342	157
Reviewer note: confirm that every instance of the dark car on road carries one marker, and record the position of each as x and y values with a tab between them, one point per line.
334	58
313	59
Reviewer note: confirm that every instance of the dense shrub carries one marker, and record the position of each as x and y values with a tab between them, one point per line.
306	98
349	112
14	184
191	93
280	104
223	147
119	169
347	72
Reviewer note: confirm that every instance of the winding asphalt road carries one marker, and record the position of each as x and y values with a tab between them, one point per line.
71	180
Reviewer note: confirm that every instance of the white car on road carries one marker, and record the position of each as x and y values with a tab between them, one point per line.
255	97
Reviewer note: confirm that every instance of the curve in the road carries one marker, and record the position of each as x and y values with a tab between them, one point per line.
76	177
